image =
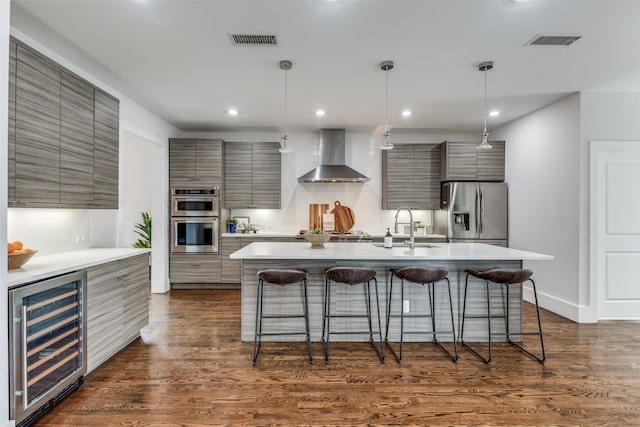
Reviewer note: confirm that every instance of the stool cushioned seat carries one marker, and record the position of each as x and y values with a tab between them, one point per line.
282	276
421	274
351	275
504	276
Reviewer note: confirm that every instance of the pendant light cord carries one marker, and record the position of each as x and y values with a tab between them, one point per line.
285	102
386	100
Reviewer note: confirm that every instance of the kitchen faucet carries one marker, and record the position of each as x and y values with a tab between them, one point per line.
412	242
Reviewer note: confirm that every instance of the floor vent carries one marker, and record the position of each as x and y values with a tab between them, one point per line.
540	40
254	39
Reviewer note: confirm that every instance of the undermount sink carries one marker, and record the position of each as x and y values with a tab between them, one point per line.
403	245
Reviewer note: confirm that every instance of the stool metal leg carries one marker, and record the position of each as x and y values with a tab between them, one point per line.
432	296
306	318
260	316
326	331
539	333
431	307
381	350
507	333
257	338
464	308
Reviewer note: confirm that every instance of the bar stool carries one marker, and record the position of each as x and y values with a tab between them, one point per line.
280	277
351	276
506	278
421	276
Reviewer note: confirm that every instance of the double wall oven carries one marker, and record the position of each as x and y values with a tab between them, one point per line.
195	224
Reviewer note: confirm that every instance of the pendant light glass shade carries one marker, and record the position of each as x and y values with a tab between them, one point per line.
284	138
386	144
484	67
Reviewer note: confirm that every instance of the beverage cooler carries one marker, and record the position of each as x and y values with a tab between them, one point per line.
47	339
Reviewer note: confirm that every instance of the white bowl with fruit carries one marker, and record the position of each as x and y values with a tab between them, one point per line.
18	255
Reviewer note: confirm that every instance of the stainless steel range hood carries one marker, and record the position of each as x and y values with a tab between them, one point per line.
332	167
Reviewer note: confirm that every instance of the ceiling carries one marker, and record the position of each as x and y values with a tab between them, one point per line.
176	58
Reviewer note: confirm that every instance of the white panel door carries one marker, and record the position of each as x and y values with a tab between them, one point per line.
615	228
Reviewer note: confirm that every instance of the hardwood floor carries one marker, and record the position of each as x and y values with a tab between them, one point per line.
190	368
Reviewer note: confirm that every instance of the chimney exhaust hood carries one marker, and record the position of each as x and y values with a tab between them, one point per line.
332	155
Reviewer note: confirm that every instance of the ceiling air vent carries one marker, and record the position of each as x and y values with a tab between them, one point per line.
254	39
553	40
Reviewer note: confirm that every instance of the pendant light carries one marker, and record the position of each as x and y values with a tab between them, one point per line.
484	67
386	66
284	139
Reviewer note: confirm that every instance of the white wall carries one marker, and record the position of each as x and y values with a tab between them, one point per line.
137	169
362	154
4	314
605	116
543	173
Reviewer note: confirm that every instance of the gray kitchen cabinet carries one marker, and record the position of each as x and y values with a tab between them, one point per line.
37	174
63	136
252	175
190	269
195	163
230	267
411	177
117	306
105	144
11	169
76	141
461	161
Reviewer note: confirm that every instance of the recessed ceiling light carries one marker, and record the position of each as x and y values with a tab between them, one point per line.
233	112
320	113
407	113
494	113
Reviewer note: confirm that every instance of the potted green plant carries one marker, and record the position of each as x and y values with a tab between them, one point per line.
144	231
233	223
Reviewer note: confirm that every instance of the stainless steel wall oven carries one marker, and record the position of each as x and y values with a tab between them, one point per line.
48	345
194	235
195	224
195	202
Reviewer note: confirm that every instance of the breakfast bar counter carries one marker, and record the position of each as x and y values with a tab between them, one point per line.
455	257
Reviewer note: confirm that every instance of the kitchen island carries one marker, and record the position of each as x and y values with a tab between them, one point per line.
456	257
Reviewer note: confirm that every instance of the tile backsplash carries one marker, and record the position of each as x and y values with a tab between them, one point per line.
49	231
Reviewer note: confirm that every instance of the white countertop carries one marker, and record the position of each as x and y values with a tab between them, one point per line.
44	266
262	234
399	236
367	251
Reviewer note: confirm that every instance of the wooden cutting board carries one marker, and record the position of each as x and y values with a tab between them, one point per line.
344	217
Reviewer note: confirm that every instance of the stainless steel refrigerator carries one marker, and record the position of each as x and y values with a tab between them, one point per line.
473	212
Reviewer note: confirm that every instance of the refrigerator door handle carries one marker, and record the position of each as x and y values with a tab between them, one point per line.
477	213
481	209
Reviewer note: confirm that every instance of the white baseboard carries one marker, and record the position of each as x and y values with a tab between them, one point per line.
556	305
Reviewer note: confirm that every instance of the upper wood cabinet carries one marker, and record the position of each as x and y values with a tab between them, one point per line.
105	154
11	169
63	136
37	170
76	141
461	161
252	175
411	177
195	163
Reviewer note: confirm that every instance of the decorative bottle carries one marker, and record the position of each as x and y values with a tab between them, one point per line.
388	239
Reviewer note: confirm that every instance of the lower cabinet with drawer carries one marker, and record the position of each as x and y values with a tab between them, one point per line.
213	271
117	306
